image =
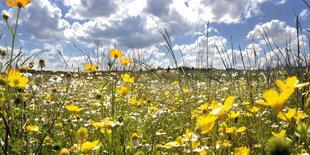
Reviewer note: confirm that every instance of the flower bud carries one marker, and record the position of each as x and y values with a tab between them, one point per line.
56	147
82	132
3	81
54	90
120	119
31	64
42	63
5	16
278	145
143	142
3	53
68	75
23	70
134	139
64	151
18	100
139	153
302	130
110	64
98	96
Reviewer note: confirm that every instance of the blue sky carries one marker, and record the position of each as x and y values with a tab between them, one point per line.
134	25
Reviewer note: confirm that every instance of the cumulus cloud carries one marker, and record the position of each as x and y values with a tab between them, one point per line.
83	9
158	8
224	11
197	51
278	32
134	23
42	20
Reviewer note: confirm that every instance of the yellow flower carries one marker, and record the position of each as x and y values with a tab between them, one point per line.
102	130
222	108
241	129
226	143
233	114
98	124
303	151
31	84
206	122
32	128
16	80
233	130
171	144
287	116
90	68
195	144
153	108
281	133
203	152
300	116
127	79
115	54
291	83
73	108
242	151
105	123
134	136
48	139
18	3
179	141
204	108
274	99
135	102
254	109
185	90
246	103
188	134
89	146
123	90
125	61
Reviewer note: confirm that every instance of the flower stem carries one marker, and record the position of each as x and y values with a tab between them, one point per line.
13	40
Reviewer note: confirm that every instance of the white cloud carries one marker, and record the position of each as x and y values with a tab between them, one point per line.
163	63
198	50
42	20
134	23
84	9
304	14
281	2
55	62
278	32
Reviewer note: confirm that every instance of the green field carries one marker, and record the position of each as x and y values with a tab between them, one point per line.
153	111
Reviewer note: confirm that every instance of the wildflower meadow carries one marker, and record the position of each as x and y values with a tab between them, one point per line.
180	110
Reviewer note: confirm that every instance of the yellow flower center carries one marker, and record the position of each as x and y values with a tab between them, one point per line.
16	82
